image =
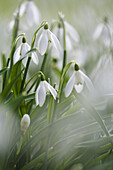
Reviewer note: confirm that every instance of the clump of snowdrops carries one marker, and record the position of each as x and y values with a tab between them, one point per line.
52	118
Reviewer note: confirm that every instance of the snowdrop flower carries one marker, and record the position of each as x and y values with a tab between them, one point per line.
31	11
22	50
45	37
77	80
25	122
11	25
72	35
71	31
104	31
40	95
98	31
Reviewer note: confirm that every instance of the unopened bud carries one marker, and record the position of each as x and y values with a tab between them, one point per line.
25	122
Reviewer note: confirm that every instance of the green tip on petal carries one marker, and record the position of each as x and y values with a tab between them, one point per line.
76	67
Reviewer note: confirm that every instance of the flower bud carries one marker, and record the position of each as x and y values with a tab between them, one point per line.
25	122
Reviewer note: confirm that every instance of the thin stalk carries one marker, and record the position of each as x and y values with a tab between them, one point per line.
64	60
5	76
12	52
31	86
25	74
44	61
42	68
64	45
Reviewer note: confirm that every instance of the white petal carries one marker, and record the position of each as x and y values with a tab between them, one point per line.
98	31
43	42
17	56
35	58
24	61
22	9
55	41
36	13
68	43
61	36
29	13
51	89
40	94
70	84
24	49
78	87
88	82
72	32
25	122
79	79
11	25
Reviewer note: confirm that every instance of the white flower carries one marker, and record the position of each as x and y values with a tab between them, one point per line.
104	32
31	11
40	95
11	25
72	35
21	51
98	31
25	122
44	38
71	31
77	80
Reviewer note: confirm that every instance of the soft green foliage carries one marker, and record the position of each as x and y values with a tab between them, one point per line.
72	133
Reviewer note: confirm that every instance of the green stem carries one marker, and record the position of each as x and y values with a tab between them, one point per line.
12	52
31	86
64	44
38	73
5	75
42	68
43	63
25	74
64	60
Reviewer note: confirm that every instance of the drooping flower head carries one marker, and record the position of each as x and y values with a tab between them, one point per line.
31	11
77	81
40	95
71	35
46	37
103	31
25	122
22	50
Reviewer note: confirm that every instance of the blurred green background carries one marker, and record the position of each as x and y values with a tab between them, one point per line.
83	14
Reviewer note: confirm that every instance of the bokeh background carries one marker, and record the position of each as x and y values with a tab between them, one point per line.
83	14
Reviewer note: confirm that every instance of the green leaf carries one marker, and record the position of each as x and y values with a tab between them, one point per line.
14	72
30	97
50	110
8	87
3	70
82	99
